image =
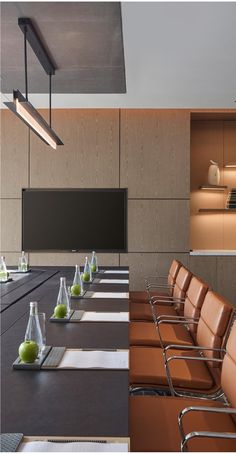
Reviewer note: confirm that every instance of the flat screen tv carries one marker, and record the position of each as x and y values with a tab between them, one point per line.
74	220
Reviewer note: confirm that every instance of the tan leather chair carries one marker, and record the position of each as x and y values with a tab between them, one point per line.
143	311
146	333
151	366
159	424
143	296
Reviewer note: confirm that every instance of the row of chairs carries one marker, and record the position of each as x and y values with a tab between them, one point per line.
183	346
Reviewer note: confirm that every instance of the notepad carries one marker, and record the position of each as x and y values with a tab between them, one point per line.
107	295
81	446
113	281
116	271
82	359
105	317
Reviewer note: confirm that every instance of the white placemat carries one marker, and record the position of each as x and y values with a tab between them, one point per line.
82	359
82	446
108	294
105	317
116	271
113	281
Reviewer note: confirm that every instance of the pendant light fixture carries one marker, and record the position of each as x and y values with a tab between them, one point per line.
21	105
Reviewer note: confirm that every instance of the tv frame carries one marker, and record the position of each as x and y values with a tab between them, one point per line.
106	251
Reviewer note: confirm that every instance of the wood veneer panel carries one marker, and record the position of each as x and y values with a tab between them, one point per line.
229	230
12	258
158	225
205	268
143	264
70	259
155	152
89	156
229	152
14	155
206	231
226	282
11	225
206	144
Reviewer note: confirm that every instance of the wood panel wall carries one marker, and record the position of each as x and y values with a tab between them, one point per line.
147	151
214	140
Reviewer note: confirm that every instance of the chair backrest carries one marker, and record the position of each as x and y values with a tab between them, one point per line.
214	321
182	282
173	272
195	296
228	373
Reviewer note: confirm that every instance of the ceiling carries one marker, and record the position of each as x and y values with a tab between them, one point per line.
177	54
83	39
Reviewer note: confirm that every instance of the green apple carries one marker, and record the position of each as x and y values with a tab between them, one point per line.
28	351
93	268
86	277
60	311
75	290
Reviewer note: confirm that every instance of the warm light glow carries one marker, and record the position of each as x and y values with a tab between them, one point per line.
231	164
207	188
21	108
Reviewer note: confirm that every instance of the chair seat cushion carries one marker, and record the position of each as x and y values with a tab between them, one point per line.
143	311
154	427
147	368
145	333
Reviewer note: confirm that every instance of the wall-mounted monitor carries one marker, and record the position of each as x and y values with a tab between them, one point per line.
74	220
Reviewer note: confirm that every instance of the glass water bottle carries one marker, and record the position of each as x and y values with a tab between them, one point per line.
77	279
94	263
87	275
63	297
3	270
33	330
22	265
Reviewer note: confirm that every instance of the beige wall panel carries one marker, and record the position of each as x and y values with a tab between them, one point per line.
11	225
226	281
206	231
89	156
14	155
206	144
205	268
69	259
155	152
148	264
140	265
158	225
12	258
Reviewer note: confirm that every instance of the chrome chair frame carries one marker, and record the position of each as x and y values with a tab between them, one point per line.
185	438
204	396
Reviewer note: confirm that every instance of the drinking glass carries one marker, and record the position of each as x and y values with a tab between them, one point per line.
42	322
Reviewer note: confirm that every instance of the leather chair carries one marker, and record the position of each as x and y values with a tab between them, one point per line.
146	333
179	366
175	423
143	311
169	280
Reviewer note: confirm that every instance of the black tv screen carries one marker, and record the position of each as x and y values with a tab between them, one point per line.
74	220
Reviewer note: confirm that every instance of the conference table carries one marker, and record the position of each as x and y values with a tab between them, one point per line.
81	402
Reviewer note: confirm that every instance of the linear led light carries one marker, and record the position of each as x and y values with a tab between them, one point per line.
34	120
21	105
230	165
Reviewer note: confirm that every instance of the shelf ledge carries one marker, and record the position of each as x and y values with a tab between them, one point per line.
217	210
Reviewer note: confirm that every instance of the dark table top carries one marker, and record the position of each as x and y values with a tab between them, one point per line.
72	402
